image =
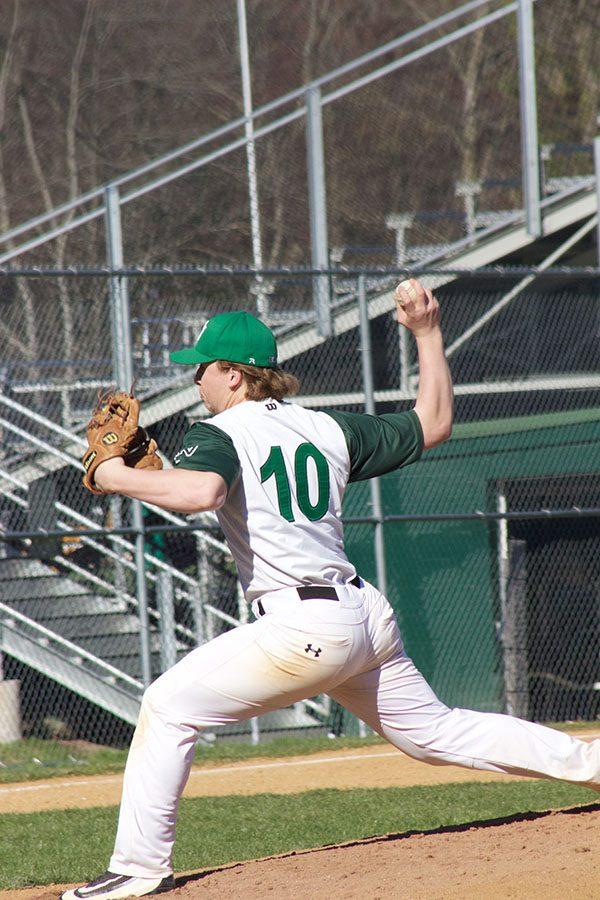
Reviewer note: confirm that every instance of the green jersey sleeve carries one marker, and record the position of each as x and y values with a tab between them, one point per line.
380	444
207	448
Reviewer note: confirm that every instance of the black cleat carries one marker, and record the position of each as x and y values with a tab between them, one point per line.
110	885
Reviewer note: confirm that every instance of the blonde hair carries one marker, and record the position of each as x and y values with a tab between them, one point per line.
262	383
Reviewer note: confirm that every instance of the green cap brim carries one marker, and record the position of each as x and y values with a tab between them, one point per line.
189	356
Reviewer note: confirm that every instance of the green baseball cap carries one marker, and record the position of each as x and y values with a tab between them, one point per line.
232	336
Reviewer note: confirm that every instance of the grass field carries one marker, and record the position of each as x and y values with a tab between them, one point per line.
75	845
33	759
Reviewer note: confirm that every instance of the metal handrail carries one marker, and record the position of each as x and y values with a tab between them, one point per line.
283	100
257	132
121	541
130	599
153	560
73	649
41	420
74	461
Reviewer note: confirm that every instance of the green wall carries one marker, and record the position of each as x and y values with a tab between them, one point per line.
442	577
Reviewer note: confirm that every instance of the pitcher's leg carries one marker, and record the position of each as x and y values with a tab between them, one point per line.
396	701
243	673
158	765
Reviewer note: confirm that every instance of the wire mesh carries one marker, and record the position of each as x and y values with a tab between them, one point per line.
457	103
498	613
576	94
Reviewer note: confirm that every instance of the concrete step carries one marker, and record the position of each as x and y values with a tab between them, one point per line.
107	646
47	609
21	567
43	587
80	628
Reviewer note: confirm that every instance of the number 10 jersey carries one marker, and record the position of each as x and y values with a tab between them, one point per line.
287	468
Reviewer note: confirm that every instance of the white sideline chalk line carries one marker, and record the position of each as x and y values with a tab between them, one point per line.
197	772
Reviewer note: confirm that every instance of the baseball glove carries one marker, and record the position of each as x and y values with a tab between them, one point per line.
113	431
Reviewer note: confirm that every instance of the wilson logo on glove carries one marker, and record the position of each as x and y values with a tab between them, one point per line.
110	438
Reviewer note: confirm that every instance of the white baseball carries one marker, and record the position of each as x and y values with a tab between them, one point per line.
410	289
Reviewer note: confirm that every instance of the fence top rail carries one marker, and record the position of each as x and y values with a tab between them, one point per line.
300	271
478	514
573	512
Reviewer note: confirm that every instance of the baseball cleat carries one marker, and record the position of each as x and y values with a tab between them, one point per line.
112	885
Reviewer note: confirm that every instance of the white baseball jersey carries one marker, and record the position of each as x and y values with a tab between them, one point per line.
287	469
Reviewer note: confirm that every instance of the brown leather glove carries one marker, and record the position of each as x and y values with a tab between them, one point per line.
145	455
113	431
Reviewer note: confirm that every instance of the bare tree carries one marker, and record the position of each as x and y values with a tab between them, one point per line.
27	348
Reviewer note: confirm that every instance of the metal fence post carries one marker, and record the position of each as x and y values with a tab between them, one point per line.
205	630
400	223
513	614
166	608
514	632
115	505
318	208
123	369
261	288
243	617
374	483
530	161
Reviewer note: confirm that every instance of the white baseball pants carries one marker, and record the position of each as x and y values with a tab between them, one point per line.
351	650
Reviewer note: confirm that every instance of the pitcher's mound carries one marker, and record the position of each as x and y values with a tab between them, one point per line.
542	856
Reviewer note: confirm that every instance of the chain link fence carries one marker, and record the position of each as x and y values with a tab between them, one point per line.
489	548
407	155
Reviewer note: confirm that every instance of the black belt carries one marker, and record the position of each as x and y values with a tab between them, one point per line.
315	592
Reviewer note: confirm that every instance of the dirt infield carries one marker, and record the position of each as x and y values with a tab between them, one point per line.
550	856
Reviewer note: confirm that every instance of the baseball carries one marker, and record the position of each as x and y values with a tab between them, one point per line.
410	289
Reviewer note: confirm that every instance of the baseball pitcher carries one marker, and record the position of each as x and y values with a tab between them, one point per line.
276	474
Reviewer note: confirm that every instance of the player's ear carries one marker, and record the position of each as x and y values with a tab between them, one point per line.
235	378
